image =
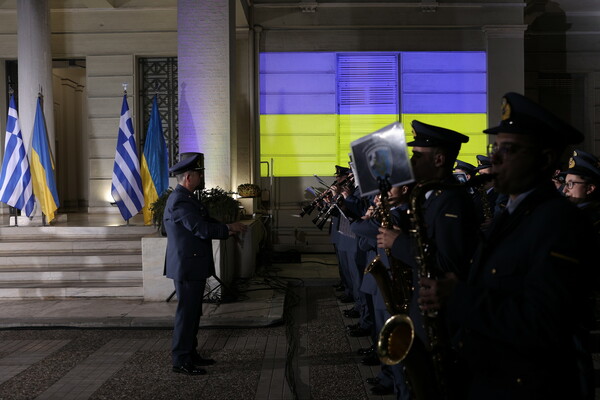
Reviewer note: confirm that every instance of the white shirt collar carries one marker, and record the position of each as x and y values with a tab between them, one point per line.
512	204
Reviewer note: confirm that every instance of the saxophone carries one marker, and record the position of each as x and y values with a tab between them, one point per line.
439	343
398	332
488	213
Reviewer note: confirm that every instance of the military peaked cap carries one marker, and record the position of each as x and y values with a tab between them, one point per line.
188	162
522	116
426	135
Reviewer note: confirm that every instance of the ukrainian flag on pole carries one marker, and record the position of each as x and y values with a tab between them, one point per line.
42	166
155	164
126	180
15	180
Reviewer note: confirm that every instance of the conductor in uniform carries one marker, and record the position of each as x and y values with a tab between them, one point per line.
520	318
189	260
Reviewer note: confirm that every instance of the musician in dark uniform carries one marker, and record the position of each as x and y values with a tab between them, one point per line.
520	319
451	231
338	241
189	260
464	167
485	196
582	185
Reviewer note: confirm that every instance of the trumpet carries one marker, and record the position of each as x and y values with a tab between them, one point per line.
321	197
329	208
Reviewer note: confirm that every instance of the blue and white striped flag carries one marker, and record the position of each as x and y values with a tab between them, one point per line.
16	189
126	179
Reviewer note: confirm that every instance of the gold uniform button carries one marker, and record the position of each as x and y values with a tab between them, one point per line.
460	344
519	381
493	271
194	254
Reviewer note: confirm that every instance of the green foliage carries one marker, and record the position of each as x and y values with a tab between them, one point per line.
220	205
158	207
248	190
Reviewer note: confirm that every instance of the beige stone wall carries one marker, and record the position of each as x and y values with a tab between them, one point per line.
105	76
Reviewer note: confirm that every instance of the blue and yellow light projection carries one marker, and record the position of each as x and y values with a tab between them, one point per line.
312	105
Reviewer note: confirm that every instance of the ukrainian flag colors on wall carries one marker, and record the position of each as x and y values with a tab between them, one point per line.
312	105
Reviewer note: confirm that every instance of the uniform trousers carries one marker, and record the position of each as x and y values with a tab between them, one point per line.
187	320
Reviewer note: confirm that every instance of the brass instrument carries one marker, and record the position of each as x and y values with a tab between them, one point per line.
426	265
488	213
398	332
329	207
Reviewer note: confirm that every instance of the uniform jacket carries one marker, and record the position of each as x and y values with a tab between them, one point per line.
190	232
451	231
516	318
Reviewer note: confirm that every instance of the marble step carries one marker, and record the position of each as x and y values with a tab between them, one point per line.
68	247
132	289
76	231
65	261
67	238
98	283
89	258
69	268
71	276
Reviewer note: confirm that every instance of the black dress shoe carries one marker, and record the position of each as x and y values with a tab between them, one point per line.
382	390
365	351
340	288
346	299
359	332
373	381
352	327
351	314
188	370
371	360
203	362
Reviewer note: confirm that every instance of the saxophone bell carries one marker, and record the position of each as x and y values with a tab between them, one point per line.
397	334
395	339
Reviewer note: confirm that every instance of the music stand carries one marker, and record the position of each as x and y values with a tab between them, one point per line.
380	160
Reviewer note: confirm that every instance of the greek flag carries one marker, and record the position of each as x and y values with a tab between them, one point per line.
15	180
126	180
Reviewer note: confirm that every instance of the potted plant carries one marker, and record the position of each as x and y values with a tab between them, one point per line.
220	205
158	209
248	190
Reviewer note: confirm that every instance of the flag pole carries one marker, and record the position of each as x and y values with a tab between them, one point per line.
12	211
125	94
41	97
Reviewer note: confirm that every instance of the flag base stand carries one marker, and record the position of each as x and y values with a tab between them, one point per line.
36	220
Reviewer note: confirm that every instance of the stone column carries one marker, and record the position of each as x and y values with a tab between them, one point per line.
35	66
505	65
205	48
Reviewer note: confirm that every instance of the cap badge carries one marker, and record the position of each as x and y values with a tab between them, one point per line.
571	163
505	109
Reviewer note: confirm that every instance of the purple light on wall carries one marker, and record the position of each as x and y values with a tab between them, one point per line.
297	62
444	103
204	85
443	61
449	82
444	82
297	83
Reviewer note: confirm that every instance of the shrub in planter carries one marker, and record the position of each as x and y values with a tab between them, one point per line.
219	203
